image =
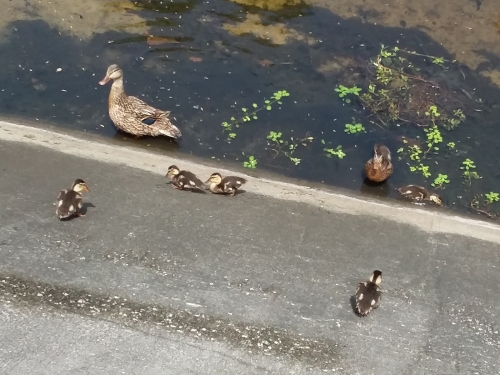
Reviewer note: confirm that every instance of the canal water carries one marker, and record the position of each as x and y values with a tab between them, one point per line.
220	67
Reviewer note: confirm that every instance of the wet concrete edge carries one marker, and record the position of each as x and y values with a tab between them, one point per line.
92	147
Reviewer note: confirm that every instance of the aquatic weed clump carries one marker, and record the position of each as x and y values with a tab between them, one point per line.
399	92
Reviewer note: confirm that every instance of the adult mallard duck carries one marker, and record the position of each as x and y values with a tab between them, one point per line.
69	201
184	179
129	113
379	168
368	294
419	194
226	185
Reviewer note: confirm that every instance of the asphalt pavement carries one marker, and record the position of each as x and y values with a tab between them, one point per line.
159	281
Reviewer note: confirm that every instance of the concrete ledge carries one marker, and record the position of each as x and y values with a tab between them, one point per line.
427	219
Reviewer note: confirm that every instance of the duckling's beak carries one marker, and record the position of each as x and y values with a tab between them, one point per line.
207	181
86	188
104	80
437	200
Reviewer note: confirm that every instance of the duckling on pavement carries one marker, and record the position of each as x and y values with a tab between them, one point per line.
227	185
129	113
368	294
379	168
184	179
69	201
419	194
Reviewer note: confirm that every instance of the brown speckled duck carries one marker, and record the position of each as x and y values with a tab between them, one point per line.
227	185
184	179
379	168
129	113
419	194
368	294
69	201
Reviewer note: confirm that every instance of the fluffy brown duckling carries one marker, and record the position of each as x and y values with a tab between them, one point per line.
379	168
184	179
419	194
69	201
368	294
227	185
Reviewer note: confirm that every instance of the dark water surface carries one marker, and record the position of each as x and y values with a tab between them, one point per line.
233	73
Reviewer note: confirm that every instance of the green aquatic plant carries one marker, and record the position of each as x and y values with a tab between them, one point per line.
288	147
415	154
415	151
276	98
438	61
440	180
492	197
251	114
291	149
398	90
292	146
275	136
449	121
338	152
433	113
250	163
469	173
354	128
433	138
481	203
424	169
343	91
453	121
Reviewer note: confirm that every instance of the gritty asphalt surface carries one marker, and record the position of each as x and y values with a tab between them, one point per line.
155	281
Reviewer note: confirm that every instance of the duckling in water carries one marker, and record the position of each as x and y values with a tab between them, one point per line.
69	201
368	294
184	179
419	194
227	185
379	168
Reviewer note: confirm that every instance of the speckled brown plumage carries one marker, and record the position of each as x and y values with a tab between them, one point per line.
128	113
70	201
379	168
368	294
184	179
419	194
227	185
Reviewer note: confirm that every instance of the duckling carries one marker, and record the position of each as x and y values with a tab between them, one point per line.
379	168
226	185
368	294
69	201
183	179
419	194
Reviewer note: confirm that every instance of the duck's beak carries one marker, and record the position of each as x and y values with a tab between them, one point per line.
207	181
86	188
104	80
